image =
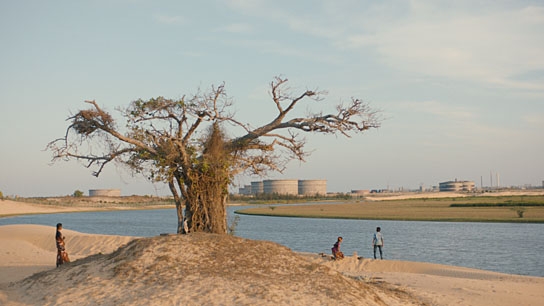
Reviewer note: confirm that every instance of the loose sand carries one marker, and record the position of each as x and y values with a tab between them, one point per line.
203	269
13	208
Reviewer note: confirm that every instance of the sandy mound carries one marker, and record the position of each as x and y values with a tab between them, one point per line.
198	269
219	272
30	248
354	266
438	284
78	244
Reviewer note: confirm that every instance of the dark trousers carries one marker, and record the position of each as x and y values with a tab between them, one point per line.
378	247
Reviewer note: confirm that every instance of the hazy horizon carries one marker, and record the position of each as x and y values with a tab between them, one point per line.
460	84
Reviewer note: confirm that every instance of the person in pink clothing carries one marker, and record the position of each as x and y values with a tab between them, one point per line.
62	255
336	253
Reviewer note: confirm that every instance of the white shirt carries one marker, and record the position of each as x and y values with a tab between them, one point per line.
378	239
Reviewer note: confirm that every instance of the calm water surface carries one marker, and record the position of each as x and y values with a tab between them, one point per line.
502	247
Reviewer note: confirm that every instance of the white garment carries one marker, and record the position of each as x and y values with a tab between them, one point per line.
378	239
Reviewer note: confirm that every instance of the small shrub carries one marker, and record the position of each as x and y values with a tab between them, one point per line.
233	224
78	194
520	211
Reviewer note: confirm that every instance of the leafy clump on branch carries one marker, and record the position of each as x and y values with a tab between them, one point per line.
184	144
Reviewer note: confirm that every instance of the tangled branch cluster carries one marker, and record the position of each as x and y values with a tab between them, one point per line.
163	142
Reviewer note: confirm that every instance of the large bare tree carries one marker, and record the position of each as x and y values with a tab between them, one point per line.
184	144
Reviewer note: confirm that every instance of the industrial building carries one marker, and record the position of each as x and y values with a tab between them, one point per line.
286	187
456	186
360	192
257	187
246	190
312	187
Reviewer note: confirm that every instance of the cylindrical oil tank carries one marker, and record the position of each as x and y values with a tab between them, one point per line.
104	192
257	187
312	187
246	190
289	187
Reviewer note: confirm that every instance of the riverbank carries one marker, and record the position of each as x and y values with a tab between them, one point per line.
451	207
412	206
159	270
10	208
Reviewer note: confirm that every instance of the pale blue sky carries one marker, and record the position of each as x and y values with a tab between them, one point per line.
461	83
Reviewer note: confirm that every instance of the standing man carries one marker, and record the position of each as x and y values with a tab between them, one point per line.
62	256
377	242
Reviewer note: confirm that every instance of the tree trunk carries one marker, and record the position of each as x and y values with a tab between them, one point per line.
179	211
205	209
179	205
206	186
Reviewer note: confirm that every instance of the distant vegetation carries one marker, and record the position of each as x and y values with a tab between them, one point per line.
495	204
502	201
517	204
275	198
520	211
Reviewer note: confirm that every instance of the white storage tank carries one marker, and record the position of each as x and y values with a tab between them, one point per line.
257	187
246	190
312	187
289	187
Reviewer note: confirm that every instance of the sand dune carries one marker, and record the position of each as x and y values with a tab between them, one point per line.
194	269
32	248
437	284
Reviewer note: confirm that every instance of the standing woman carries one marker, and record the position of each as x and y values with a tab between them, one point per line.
62	256
377	242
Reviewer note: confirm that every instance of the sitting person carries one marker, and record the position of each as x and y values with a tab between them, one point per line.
336	253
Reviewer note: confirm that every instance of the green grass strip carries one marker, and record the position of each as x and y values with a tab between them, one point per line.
507	204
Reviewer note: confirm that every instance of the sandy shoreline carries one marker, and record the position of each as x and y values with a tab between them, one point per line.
29	249
9	208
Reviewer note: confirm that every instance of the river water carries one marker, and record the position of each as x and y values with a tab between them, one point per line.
502	247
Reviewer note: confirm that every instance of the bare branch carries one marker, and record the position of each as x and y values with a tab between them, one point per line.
182	143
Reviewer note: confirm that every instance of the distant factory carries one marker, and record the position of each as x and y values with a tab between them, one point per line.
286	187
456	186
